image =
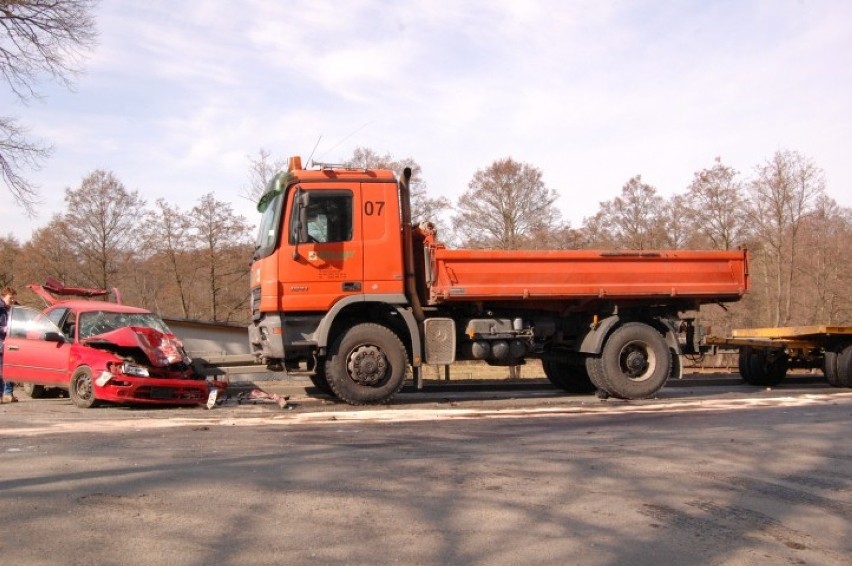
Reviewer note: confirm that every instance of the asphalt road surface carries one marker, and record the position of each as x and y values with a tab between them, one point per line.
708	472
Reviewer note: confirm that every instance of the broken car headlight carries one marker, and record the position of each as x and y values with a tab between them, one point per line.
134	370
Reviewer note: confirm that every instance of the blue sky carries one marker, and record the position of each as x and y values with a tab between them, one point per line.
178	95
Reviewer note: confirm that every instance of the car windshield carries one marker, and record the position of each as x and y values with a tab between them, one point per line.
25	322
100	322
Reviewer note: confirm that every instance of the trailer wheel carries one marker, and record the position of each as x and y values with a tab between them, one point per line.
844	366
634	364
766	367
743	363
572	377
829	367
366	365
82	388
34	391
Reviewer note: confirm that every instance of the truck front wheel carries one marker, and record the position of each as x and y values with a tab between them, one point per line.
366	365
634	364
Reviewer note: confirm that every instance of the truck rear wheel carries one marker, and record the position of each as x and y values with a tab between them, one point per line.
366	365
766	368
634	364
572	377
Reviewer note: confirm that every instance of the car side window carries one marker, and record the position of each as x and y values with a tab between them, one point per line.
28	323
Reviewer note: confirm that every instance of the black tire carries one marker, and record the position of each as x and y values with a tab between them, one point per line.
766	368
594	369
34	391
81	389
366	365
829	368
743	362
320	381
572	377
844	366
634	364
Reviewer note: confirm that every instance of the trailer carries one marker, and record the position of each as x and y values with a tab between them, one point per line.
767	354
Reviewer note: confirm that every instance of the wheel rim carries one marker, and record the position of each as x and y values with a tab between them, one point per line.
83	387
367	365
637	361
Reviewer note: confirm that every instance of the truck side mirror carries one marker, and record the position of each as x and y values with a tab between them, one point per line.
301	200
304	201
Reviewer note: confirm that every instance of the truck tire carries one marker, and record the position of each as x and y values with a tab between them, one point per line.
82	388
743	363
366	365
35	391
634	364
829	367
572	377
766	368
844	366
320	380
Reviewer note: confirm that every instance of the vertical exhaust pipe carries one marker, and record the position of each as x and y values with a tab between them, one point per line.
408	246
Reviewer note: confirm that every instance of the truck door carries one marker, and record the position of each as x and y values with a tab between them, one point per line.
330	265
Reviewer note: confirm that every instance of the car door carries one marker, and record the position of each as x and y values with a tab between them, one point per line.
34	350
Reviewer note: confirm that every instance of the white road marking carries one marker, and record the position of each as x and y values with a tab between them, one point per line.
392	414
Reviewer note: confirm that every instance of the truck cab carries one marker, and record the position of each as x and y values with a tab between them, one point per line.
329	241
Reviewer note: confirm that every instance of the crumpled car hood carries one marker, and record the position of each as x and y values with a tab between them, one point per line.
162	350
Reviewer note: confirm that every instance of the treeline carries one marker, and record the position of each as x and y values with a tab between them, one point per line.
194	263
190	264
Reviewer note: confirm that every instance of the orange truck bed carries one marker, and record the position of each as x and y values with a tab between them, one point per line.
705	276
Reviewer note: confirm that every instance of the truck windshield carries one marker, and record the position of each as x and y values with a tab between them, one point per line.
267	235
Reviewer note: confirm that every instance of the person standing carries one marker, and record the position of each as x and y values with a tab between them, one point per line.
7	299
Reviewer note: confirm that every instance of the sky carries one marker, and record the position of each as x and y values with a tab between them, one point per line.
178	96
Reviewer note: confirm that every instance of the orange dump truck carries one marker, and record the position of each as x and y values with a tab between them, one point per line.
346	291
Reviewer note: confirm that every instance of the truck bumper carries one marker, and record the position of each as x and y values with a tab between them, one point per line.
275	337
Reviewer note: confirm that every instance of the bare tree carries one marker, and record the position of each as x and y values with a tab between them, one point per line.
714	204
170	236
504	206
224	240
103	221
16	153
37	37
634	220
423	207
10	251
780	198
51	253
824	292
261	170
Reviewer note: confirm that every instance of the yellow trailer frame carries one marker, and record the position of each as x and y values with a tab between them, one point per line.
765	354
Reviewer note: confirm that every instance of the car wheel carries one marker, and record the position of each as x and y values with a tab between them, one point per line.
82	388
34	391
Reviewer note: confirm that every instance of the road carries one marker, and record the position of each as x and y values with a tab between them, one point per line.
714	474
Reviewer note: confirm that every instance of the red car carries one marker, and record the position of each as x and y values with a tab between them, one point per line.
98	351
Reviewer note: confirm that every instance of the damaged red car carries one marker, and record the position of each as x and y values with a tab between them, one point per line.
99	352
